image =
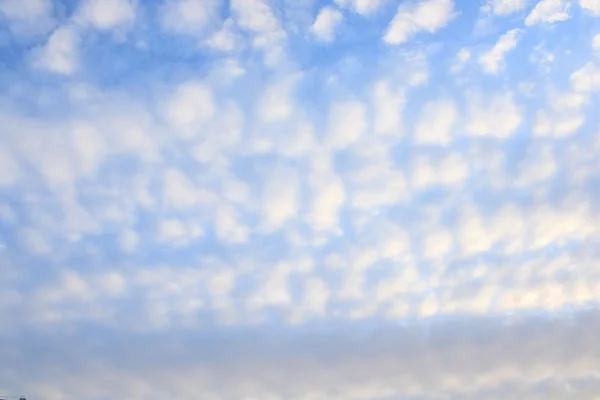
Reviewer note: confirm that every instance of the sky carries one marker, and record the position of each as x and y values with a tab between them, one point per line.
300	199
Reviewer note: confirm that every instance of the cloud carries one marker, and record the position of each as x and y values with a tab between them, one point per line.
548	11
596	43
129	240
280	198
363	7
507	7
35	241
559	125
246	213
450	170
347	122
191	105
277	101
496	115
586	78
228	227
257	18
436	122
500	368
411	19
105	15
59	54
374	181
179	191
326	23
437	244
28	17
590	6
191	17
492	61
462	57
225	39
177	232
9	168
213	141
388	103
562	117
327	195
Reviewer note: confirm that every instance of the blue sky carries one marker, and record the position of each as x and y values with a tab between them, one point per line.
299	199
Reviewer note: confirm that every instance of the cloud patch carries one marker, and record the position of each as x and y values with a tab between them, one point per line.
492	61
411	19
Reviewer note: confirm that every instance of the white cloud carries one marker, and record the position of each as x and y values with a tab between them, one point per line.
596	43
507	7
437	243
495	115
280	198
190	106
388	189
216	140
272	291
89	147
228	227
395	244
227	71
474	234
276	102
548	11
326	23
178	232
436	122
59	54
586	78
557	124
235	190
180	192
129	240
327	195
539	166
225	39
340	223
352	288
423	172
25	9
411	19
363	7
314	299
550	225
9	169
375	181
450	170
105	14
347	122
388	106
590	5
28	16
543	58
453	169
300	142
257	17
492	61
35	241
462	57
7	214
189	16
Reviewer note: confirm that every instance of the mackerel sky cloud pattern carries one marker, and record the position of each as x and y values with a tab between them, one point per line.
300	199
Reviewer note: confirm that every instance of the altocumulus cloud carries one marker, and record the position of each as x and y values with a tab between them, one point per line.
260	199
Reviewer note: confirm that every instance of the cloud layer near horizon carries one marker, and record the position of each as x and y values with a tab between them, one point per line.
300	199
